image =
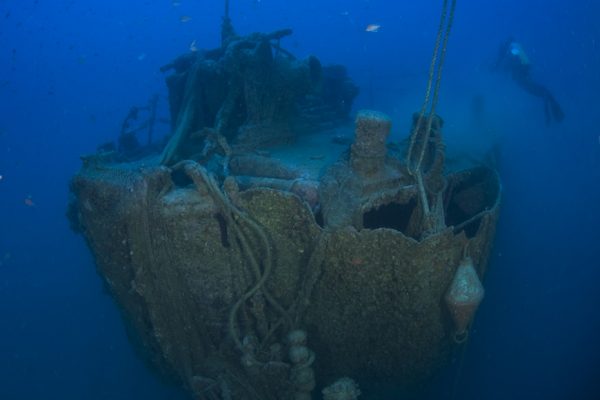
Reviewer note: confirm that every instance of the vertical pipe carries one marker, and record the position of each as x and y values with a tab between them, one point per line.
227	30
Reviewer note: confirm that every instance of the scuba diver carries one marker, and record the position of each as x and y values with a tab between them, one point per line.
512	57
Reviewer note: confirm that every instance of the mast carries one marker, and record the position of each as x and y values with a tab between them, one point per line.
227	31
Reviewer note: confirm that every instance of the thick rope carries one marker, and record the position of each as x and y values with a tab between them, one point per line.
311	277
414	166
436	91
442	55
185	117
233	216
438	40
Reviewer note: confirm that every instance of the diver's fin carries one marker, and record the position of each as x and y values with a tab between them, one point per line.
557	111
552	110
547	111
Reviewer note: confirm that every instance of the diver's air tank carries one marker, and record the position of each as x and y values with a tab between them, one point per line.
463	297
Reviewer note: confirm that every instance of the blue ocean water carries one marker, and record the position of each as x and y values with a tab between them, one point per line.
71	70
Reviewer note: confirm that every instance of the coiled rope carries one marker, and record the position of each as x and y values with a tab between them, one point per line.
235	219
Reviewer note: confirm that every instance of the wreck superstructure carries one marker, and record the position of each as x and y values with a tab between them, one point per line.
267	251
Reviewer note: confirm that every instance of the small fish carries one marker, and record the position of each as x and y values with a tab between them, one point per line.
372	28
141	57
29	202
176	3
193	47
1	177
185	18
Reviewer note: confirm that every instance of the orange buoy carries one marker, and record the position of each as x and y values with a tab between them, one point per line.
463	297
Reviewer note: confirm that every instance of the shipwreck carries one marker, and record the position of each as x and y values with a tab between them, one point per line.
269	247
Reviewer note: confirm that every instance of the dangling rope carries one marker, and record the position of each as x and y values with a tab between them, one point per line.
413	170
414	167
235	219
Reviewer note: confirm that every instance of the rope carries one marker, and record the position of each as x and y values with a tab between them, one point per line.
185	117
432	72
430	79
436	91
414	165
233	216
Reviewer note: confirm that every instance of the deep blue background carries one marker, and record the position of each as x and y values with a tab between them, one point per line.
70	70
